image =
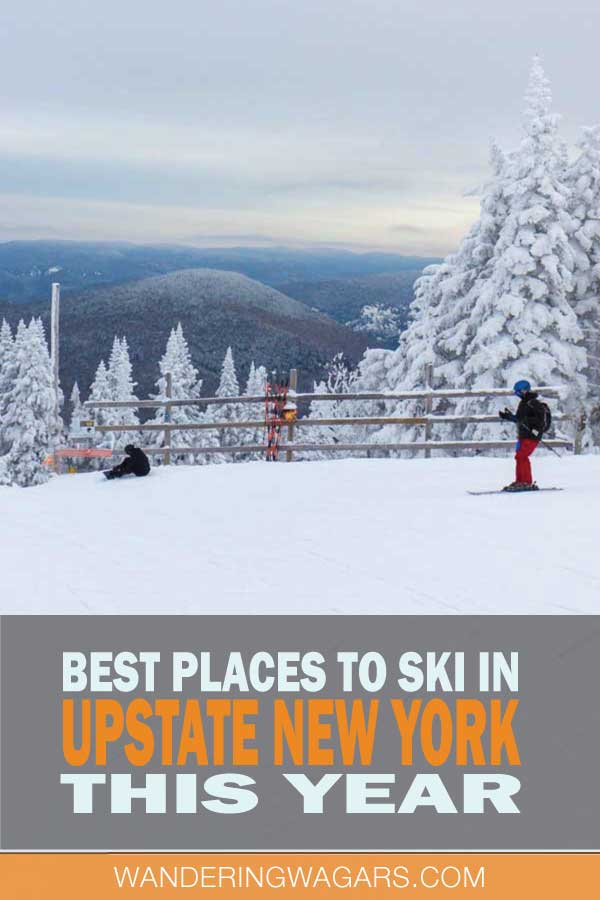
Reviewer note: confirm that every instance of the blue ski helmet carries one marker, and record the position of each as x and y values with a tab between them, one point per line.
521	387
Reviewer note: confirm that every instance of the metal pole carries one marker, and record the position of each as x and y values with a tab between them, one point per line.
55	357
55	339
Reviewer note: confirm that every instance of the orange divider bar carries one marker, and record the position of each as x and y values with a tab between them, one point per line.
83	453
527	876
77	453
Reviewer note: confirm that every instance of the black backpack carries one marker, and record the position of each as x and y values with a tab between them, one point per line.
539	417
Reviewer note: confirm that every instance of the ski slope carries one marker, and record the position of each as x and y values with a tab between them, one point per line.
346	536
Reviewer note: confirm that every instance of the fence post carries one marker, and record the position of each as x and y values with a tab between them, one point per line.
428	405
580	423
293	386
168	408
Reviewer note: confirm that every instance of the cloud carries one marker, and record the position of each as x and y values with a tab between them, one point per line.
354	121
407	229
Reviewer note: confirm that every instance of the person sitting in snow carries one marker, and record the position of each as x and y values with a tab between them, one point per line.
533	420
135	463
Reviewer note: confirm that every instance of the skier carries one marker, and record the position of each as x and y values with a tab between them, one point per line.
135	463
533	420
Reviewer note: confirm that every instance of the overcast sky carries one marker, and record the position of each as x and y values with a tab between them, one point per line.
356	123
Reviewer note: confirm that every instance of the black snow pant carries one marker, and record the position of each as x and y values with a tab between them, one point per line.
124	468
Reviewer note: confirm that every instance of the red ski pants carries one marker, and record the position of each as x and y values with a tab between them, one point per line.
525	447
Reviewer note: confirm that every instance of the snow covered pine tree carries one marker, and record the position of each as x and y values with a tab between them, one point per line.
100	390
341	379
122	388
77	411
226	412
583	178
32	426
184	385
437	330
6	354
500	308
521	323
255	412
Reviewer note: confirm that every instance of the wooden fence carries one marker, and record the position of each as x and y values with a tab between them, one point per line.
426	421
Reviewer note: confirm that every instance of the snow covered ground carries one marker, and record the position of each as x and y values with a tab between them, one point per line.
347	536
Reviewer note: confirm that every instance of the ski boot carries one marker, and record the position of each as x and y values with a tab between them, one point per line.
517	487
109	475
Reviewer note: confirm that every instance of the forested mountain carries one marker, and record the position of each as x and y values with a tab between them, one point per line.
216	309
344	298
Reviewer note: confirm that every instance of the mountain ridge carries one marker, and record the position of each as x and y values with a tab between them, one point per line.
216	309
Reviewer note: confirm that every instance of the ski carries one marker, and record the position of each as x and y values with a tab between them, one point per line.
275	400
488	493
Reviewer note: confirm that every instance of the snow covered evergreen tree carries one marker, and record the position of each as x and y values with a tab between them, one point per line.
122	389
6	343
405	369
323	434
584	182
498	309
437	333
32	425
341	379
473	265
77	411
227	412
113	365
521	323
6	353
185	385
100	390
378	320
228	383
255	387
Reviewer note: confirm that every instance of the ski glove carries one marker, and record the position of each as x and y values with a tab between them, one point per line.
507	415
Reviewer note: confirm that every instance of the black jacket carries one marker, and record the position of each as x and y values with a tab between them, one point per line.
528	416
140	464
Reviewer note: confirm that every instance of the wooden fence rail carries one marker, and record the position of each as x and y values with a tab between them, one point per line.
311	423
298	398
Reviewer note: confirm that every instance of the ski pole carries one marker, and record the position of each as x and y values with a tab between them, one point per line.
542	442
548	447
